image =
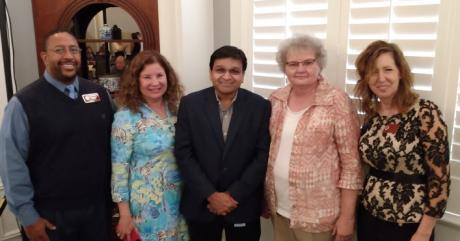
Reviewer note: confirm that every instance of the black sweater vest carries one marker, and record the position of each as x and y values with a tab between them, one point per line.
69	152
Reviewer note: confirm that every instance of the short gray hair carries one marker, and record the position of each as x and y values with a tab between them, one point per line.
301	41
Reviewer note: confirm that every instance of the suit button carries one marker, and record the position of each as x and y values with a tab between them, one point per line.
225	169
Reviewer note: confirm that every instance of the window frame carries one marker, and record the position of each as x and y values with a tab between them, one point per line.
446	67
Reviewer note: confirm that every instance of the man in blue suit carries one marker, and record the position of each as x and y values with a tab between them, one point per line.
222	144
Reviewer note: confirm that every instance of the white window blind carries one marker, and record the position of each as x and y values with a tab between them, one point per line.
412	24
453	206
274	20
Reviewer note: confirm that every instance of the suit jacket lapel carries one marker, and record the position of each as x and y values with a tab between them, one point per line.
212	113
237	118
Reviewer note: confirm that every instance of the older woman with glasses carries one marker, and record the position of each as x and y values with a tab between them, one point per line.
314	172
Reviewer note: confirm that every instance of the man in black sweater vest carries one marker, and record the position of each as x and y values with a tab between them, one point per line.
55	150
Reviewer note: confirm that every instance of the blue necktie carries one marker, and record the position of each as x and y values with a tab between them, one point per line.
71	91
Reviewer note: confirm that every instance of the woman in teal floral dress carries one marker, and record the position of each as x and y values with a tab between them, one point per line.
146	183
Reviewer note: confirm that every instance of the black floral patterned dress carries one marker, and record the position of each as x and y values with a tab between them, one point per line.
408	155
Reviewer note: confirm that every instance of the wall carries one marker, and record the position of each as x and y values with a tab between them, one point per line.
26	67
240	31
186	39
447	232
169	14
197	43
221	23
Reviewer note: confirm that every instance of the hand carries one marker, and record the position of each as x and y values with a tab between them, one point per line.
124	228
221	203
265	210
343	229
266	213
37	230
418	236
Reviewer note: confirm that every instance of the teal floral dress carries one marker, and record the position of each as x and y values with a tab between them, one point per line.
145	174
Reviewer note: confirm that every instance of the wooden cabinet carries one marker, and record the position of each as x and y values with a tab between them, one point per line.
98	64
75	16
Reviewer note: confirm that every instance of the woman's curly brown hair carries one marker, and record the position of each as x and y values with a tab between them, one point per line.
129	94
365	65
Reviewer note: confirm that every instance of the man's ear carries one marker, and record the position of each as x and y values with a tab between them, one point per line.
43	56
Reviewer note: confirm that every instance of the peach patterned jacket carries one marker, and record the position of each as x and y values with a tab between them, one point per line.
324	157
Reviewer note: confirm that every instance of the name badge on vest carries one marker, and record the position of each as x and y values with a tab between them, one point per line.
239	225
91	98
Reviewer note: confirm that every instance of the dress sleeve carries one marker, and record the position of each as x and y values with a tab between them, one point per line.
346	135
435	143
122	148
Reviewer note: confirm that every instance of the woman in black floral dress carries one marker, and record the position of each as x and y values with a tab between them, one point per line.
404	142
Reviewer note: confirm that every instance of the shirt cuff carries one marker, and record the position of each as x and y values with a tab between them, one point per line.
27	215
350	181
119	197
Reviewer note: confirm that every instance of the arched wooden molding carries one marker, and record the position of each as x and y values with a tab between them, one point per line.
57	14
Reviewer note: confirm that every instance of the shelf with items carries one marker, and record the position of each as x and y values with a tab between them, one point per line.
101	64
109	40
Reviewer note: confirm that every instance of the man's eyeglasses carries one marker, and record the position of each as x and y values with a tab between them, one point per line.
296	64
62	50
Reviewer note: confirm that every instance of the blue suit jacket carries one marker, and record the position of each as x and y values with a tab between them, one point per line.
209	164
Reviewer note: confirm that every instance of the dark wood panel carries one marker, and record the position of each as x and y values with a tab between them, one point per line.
58	14
108	40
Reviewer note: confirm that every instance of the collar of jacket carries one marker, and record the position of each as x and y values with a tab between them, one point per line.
323	95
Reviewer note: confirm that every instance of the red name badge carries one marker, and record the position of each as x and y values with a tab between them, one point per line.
91	98
134	236
392	128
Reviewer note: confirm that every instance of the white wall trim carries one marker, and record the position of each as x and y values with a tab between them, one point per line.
170	31
445	83
3	96
450	218
241	33
336	43
186	39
